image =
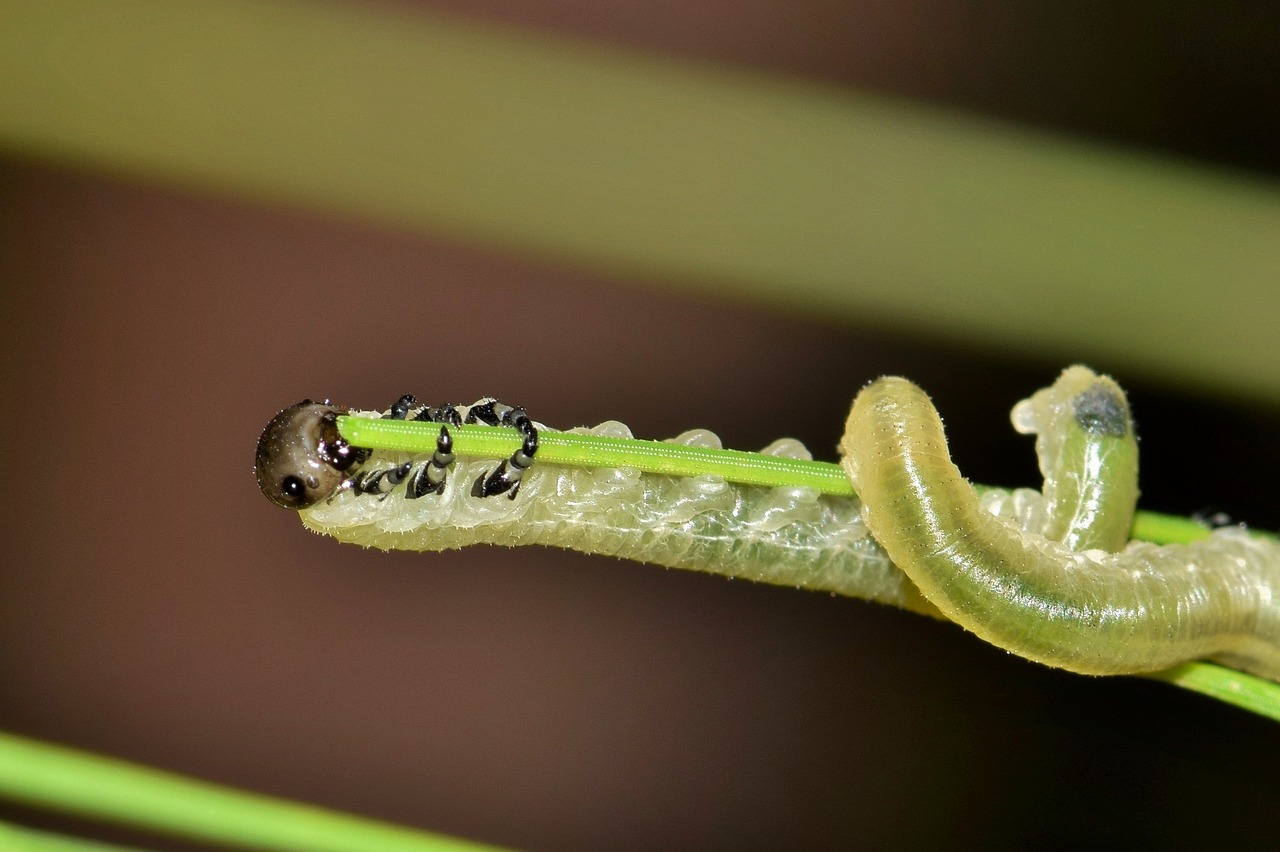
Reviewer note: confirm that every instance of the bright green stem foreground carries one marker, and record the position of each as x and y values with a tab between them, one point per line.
670	459
18	838
77	782
601	451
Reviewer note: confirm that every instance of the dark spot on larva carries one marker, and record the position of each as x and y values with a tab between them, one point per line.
1101	410
301	458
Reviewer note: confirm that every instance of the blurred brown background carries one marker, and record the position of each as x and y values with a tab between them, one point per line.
157	608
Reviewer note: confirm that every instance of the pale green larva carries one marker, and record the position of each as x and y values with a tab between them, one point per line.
788	534
1036	573
1143	609
785	535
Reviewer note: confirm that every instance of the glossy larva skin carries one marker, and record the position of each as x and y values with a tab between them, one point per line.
1143	609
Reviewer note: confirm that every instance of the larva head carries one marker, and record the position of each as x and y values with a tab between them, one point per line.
301	458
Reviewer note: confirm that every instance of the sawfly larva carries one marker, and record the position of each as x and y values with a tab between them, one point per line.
1048	575
302	458
1143	609
788	535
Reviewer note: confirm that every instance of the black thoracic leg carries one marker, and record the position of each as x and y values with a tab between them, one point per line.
380	481
400	407
377	481
446	413
431	476
506	476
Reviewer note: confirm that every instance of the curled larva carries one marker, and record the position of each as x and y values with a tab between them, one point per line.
1143	609
784	535
1028	571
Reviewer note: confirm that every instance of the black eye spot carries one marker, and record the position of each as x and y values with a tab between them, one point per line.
292	486
1101	410
297	462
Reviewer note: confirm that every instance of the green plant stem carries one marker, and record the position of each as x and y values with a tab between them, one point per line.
81	783
661	457
1254	694
568	448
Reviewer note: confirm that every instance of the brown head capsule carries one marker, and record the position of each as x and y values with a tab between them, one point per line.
301	458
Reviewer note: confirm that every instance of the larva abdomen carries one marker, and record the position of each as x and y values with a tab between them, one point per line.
1143	609
785	536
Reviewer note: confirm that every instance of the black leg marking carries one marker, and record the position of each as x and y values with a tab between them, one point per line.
380	482
397	474
447	413
506	476
431	476
400	407
482	411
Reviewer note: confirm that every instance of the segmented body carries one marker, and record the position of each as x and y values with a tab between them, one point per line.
786	536
1032	572
1143	609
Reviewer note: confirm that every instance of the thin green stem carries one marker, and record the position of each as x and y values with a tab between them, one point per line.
81	783
1251	693
661	457
568	448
